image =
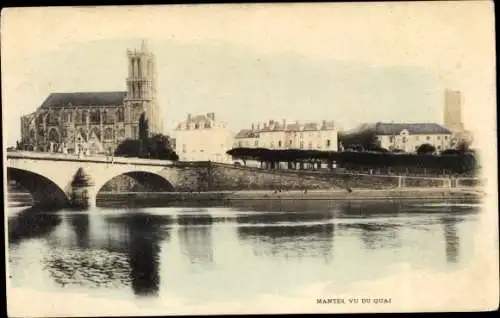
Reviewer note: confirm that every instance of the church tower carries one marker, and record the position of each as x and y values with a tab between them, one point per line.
141	92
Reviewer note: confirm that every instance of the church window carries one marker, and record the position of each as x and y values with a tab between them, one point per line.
96	133
53	135
95	117
52	120
108	117
119	115
108	134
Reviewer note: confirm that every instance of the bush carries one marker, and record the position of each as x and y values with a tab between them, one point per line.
426	149
154	147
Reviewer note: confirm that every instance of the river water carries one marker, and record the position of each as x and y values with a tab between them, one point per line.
202	255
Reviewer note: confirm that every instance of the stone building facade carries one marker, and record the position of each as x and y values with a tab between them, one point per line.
97	122
202	138
410	136
280	135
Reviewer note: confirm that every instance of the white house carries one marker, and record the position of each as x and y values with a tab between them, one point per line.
275	135
408	137
202	138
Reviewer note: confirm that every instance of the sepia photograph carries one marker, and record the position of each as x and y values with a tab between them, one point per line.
250	159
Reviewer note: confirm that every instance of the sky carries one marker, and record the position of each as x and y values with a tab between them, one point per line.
351	63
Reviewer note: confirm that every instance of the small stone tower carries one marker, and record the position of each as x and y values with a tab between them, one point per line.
141	92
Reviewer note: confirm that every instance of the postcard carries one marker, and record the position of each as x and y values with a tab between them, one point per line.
250	159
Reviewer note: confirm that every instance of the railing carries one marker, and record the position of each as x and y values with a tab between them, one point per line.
72	157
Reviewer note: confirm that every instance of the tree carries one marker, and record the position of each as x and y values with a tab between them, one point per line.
426	149
159	147
143	133
463	146
362	140
154	147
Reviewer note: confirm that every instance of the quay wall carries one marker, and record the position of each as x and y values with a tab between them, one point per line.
202	177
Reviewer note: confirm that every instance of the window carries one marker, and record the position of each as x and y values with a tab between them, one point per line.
109	117
438	137
108	134
391	139
439	148
301	144
279	144
95	117
417	138
290	142
135	132
184	148
207	125
272	144
328	143
239	144
119	115
445	137
404	139
428	138
301	135
256	143
196	126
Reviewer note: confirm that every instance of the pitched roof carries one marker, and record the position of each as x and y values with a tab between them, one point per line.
413	129
84	99
247	133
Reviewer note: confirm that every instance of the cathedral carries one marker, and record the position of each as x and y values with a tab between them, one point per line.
96	122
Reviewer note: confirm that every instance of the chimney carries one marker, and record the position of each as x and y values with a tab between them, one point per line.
189	116
253	127
258	126
284	124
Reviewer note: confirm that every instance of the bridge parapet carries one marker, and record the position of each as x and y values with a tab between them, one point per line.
91	159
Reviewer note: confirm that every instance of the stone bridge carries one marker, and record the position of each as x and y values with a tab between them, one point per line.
48	177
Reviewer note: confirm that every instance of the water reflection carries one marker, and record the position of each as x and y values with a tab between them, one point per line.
251	248
108	251
288	235
195	237
145	233
452	239
31	223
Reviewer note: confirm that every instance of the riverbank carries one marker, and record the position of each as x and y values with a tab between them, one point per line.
342	195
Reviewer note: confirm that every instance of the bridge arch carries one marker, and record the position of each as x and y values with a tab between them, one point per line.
43	190
147	181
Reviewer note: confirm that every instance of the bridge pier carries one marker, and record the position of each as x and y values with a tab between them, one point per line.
84	197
